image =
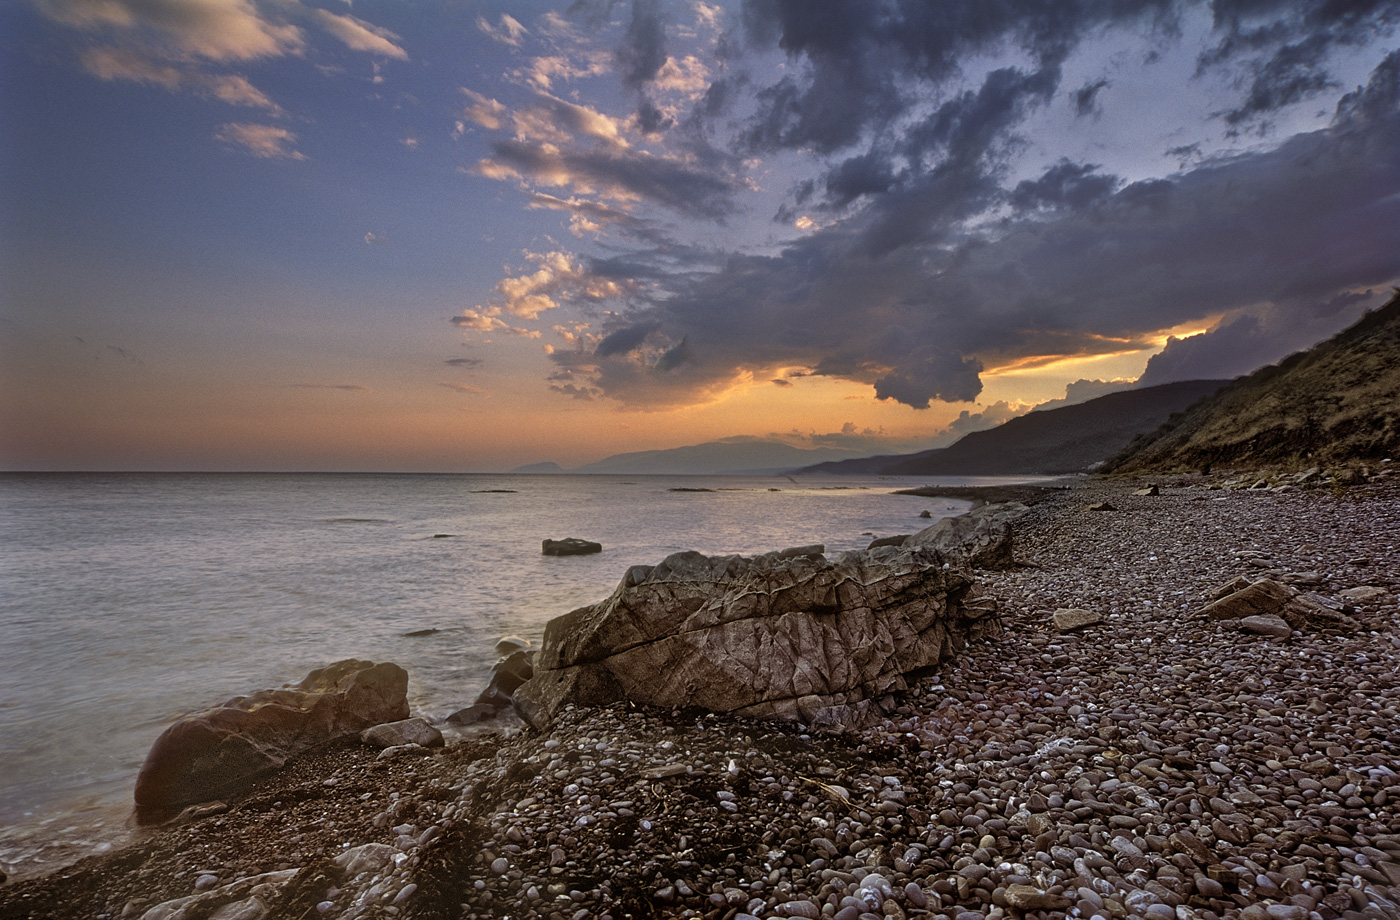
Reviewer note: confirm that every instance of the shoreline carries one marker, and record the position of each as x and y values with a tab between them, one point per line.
1026	493
1233	771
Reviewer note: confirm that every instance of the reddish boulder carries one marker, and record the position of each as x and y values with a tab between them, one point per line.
218	751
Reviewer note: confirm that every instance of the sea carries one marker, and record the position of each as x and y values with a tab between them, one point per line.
130	599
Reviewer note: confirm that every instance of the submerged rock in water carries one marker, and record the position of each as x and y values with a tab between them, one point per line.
773	636
213	753
570	546
507	674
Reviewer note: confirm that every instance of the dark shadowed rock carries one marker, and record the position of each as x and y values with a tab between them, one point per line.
571	546
476	712
506	675
215	752
1269	598
812	551
796	637
980	538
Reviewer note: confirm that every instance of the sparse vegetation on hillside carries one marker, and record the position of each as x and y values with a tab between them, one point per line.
1338	402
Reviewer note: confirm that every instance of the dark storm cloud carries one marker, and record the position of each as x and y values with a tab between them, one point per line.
464	362
867	58
622	341
650	119
916	307
1283	45
930	267
671	183
643	48
1086	98
1249	341
1066	184
1292	74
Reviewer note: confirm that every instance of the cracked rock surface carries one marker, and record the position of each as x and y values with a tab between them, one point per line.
781	635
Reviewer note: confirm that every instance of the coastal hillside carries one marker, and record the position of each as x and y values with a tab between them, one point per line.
1334	403
1065	440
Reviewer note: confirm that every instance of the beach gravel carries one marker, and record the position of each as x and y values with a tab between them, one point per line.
1156	764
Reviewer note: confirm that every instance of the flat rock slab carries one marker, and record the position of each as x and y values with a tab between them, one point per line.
1265	596
1070	619
570	546
1267	625
405	731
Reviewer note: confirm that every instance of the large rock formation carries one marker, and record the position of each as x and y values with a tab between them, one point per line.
980	538
218	751
782	635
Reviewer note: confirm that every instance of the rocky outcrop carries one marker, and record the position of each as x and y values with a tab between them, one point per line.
980	538
792	636
216	752
570	546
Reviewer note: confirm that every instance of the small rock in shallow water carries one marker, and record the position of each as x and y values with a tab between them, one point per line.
570	546
477	712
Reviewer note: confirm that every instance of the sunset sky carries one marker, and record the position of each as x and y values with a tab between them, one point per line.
455	235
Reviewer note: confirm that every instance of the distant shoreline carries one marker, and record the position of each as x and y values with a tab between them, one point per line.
1027	494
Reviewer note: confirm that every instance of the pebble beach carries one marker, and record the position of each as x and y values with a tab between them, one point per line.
1155	764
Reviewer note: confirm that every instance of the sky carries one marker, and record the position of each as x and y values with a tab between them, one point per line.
454	235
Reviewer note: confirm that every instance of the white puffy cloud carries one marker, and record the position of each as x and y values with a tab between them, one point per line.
218	30
488	113
488	319
558	277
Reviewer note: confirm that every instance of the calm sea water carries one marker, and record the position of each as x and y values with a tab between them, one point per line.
127	600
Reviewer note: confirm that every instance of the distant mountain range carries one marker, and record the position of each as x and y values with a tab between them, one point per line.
1070	439
1338	401
755	456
